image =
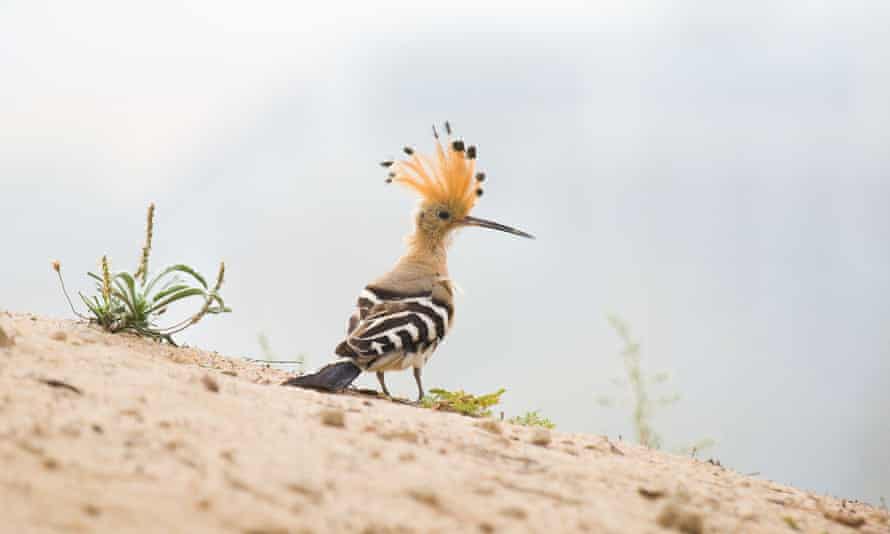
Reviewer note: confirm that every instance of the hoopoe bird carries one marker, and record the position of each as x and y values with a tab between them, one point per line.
402	317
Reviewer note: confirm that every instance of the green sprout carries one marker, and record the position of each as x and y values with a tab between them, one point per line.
462	402
532	419
127	302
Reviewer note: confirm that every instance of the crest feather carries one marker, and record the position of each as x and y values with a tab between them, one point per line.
447	177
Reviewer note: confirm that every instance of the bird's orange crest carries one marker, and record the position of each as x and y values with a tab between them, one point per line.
447	177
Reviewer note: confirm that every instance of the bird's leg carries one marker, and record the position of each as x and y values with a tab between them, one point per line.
420	393
382	383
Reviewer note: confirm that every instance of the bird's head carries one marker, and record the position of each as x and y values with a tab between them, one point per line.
448	185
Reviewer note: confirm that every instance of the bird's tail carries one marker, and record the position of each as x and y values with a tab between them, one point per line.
332	377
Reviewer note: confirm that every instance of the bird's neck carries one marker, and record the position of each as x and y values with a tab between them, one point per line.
427	252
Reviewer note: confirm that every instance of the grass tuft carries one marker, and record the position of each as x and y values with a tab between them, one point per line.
532	419
126	302
462	402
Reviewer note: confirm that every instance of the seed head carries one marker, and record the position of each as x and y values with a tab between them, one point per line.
106	280
142	270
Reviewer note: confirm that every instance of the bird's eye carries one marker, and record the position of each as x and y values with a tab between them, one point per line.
444	215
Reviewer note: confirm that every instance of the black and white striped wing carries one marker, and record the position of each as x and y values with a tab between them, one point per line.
407	326
366	301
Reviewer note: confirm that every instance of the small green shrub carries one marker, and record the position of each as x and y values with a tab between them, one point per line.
532	419
643	406
126	302
640	384
462	402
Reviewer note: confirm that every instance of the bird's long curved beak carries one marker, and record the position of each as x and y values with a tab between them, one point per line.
484	223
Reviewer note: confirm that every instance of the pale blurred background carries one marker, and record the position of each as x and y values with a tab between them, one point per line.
716	174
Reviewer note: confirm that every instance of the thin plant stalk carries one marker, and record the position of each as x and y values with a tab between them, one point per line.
57	266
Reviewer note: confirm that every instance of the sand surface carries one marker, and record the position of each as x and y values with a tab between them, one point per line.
111	433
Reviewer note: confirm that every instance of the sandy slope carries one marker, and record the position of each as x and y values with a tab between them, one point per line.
179	440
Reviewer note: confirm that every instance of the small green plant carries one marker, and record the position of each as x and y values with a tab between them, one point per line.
532	419
462	402
792	524
127	302
643	406
640	384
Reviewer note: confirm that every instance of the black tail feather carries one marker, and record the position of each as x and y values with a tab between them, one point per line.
333	377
